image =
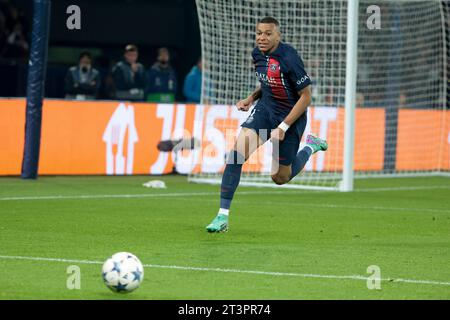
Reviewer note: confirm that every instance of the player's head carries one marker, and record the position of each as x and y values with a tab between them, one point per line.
131	53
268	34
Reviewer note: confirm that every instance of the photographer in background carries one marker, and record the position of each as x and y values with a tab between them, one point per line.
129	76
82	81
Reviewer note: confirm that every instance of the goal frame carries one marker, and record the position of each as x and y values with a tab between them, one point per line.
347	173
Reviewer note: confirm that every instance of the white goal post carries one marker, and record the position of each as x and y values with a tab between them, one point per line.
379	72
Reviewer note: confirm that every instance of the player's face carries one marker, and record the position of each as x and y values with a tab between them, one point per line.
267	37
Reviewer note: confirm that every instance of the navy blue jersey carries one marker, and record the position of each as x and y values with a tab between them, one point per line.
281	74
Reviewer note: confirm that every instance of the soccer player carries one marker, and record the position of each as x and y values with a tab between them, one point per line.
279	115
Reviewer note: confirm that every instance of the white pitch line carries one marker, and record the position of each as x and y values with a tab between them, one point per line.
193	194
401	188
266	273
112	196
184	195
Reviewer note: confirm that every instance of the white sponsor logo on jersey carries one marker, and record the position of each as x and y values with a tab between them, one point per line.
302	79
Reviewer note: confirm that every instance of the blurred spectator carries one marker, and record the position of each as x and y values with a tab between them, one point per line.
129	76
82	81
13	40
193	83
16	44
161	84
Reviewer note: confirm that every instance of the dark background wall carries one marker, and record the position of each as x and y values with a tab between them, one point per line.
106	27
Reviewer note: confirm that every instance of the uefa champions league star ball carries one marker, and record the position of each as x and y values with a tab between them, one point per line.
123	272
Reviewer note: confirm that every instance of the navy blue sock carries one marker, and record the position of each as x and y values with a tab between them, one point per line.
300	161
230	179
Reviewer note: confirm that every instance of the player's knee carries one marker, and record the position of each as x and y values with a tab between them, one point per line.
280	179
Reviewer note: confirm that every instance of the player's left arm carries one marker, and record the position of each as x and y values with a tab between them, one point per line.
299	108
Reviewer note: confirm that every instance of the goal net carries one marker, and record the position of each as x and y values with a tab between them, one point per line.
401	124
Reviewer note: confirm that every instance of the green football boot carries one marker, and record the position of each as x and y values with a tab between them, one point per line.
316	143
219	224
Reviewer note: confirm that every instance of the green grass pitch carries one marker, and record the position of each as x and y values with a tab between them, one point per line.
282	244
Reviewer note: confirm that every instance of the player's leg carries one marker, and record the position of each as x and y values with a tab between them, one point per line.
290	163
313	145
283	156
247	142
283	175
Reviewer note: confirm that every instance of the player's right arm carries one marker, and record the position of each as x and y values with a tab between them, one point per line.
246	103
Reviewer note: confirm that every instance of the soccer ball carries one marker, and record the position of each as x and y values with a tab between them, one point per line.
123	272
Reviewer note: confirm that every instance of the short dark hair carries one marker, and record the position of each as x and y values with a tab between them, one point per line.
131	48
85	54
270	20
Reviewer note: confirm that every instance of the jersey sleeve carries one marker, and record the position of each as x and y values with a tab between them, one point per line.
297	73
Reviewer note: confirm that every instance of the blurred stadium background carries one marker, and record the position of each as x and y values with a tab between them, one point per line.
107	27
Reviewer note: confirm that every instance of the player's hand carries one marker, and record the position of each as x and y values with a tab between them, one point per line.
244	105
277	134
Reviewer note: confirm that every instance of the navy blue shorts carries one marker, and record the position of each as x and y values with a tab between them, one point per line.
260	119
